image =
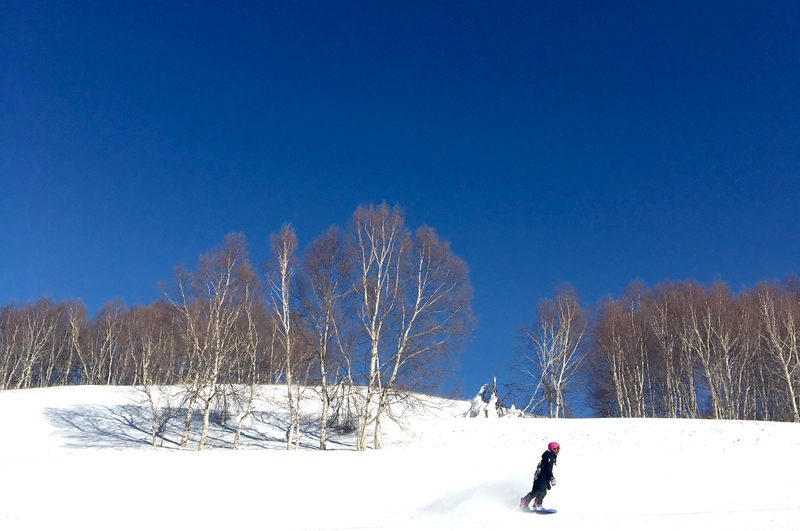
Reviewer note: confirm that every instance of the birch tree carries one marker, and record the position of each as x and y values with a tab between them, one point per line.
151	334
780	314
211	303
663	320
75	343
380	238
434	317
280	273
698	323
106	328
551	349
251	339
226	279
622	354
324	287
38	332
184	299
9	336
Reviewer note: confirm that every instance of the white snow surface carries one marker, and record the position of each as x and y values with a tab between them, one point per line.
81	457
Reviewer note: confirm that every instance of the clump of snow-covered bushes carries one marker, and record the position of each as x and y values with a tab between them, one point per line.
486	404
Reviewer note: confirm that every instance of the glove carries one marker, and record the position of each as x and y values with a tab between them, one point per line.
552	482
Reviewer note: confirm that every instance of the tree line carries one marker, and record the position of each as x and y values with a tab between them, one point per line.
676	350
365	316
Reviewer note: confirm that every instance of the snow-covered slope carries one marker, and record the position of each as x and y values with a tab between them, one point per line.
80	456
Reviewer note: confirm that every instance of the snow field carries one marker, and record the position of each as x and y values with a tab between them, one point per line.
81	455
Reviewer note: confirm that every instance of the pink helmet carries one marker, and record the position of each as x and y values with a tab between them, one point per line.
554	447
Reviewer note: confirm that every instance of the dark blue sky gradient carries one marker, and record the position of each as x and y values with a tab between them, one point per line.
582	142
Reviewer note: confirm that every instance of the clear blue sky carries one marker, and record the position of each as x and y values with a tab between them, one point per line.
584	142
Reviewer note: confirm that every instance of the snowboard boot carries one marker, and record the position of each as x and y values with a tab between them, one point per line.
522	504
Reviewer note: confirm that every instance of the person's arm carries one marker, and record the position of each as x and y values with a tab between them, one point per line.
547	469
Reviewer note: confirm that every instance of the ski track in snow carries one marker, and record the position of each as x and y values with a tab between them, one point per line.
82	455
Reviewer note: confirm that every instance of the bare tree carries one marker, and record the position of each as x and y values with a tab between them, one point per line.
150	334
39	325
672	360
380	238
323	287
661	349
434	317
699	325
75	339
551	349
662	317
622	354
56	358
183	298
211	302
104	355
250	346
780	314
10	341
754	385
280	273
413	302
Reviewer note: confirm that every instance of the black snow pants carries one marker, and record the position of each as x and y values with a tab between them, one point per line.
539	491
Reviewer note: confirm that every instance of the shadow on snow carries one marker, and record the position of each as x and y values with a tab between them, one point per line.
130	426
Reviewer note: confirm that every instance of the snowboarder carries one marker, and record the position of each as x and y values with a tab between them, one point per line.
543	479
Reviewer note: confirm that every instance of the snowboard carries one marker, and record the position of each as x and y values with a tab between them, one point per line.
543	511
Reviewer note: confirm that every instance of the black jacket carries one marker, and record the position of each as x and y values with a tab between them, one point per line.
544	472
